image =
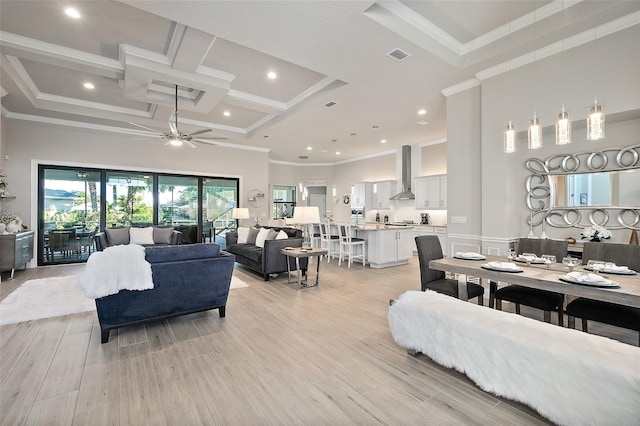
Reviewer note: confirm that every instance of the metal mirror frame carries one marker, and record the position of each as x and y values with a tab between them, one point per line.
539	190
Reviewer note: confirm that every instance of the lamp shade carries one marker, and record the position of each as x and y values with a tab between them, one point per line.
240	213
304	215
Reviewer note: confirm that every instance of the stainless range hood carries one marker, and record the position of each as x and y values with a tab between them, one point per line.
406	193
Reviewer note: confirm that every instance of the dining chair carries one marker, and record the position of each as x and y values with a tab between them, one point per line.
349	245
429	249
86	241
605	312
544	300
328	241
63	241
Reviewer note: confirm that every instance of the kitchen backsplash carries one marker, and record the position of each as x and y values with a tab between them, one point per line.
405	211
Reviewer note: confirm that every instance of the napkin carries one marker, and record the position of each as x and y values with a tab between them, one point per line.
503	265
587	278
615	268
470	255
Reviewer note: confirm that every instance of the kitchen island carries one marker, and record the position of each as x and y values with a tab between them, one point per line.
387	245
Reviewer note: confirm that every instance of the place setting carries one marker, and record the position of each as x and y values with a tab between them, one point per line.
608	268
588	279
470	255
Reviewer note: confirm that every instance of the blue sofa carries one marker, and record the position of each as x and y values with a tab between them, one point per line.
186	279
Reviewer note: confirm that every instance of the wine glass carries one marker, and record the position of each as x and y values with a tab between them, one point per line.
511	254
596	265
570	262
529	257
549	259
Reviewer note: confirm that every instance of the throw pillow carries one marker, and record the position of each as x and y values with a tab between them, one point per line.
253	234
141	235
117	236
272	234
262	236
243	233
162	235
282	235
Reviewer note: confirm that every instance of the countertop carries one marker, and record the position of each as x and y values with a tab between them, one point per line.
381	227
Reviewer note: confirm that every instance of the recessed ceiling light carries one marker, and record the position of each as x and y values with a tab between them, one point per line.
226	114
272	75
73	13
422	112
383	141
309	148
337	152
88	85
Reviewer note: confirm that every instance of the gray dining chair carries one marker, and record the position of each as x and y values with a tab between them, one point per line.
544	300
605	312
429	249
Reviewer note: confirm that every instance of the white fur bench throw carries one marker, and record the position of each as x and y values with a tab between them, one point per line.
570	377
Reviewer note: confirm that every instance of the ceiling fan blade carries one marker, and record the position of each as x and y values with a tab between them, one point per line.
146	128
150	137
205	141
199	132
189	144
212	138
173	128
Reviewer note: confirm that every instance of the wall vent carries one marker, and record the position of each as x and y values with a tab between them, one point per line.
330	104
423	122
398	54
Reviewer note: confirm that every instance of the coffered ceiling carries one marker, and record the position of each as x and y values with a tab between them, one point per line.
323	52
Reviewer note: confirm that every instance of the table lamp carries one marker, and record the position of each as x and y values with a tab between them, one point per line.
306	215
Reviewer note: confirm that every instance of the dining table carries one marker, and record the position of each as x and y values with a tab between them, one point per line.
542	277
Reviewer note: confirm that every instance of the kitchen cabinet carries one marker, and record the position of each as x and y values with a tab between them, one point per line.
361	195
431	192
439	231
388	247
381	198
16	250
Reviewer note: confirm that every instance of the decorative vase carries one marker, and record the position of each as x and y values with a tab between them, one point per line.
3	228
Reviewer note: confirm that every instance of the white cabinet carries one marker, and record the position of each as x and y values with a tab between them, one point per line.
361	195
431	192
381	198
388	247
439	231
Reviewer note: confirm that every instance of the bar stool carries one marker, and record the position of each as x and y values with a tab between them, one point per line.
328	241
348	243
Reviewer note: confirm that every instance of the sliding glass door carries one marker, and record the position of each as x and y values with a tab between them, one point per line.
75	203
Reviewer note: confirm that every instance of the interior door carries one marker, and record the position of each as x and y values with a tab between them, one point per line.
320	201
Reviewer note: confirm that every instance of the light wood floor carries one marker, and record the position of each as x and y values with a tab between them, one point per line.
281	356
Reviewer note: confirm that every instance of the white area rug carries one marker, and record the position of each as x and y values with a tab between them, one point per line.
53	297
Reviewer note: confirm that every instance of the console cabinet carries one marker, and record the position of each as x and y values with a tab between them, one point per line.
16	250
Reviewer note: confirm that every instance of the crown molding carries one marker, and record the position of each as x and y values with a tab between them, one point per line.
460	87
433	142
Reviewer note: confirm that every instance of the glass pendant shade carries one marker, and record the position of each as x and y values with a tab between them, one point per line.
595	122
535	133
563	128
510	138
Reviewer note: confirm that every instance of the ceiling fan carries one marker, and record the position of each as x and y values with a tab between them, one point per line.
175	137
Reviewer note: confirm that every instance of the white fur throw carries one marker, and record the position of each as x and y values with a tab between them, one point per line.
570	377
121	267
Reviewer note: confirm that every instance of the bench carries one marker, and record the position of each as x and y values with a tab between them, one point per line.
568	376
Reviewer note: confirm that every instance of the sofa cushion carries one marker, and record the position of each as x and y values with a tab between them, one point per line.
141	235
249	251
282	235
262	236
253	235
243	234
162	235
272	234
291	232
182	252
116	236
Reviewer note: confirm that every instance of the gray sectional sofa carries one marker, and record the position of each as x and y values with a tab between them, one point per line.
268	259
186	279
160	235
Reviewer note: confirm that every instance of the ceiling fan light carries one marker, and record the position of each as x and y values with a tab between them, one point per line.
175	142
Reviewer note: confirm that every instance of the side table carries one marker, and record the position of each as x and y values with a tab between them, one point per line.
300	253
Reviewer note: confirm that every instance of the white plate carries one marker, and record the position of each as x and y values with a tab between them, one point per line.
604	283
606	271
536	261
493	268
478	257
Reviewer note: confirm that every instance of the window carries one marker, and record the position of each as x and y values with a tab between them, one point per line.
284	200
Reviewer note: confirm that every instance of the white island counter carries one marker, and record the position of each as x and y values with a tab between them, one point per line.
387	245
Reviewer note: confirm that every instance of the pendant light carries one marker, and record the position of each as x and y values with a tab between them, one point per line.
535	132
595	122
375	148
510	138
563	128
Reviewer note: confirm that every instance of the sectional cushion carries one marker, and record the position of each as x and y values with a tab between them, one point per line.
181	252
117	236
243	234
253	235
262	236
282	235
141	236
